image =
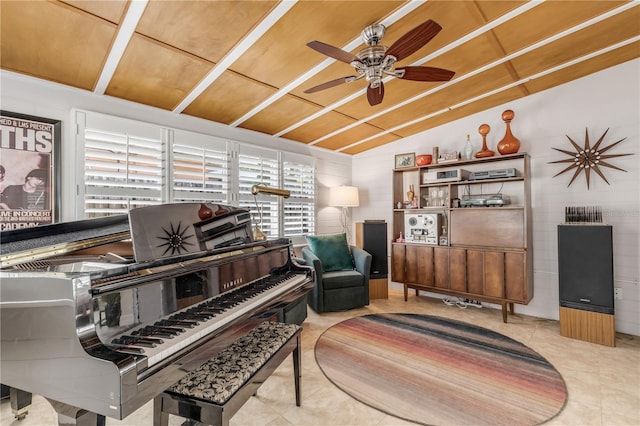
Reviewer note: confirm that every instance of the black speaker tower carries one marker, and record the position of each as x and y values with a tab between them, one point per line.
372	237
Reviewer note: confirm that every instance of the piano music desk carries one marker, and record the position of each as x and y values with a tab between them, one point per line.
214	392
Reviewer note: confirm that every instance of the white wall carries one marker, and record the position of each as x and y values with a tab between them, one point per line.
26	95
610	100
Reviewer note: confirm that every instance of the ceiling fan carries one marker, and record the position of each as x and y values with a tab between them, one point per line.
376	61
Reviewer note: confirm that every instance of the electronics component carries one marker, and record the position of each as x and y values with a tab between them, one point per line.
493	174
422	228
452	175
484	200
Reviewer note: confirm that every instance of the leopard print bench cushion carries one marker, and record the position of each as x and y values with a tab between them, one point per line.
219	378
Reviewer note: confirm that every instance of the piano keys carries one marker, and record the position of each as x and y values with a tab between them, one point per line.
105	333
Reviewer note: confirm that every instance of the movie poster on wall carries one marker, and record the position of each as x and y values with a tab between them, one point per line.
29	161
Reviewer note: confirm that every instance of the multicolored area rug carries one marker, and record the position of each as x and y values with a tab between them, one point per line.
432	370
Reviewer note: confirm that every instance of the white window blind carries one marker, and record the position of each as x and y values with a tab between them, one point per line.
126	164
200	174
259	166
300	208
121	171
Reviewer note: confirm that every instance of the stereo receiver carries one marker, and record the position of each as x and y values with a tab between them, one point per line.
452	175
493	174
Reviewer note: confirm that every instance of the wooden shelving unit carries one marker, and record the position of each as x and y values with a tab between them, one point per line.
488	252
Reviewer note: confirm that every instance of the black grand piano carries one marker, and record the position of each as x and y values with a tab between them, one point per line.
101	315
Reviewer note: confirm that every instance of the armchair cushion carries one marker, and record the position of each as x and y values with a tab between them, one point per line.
332	250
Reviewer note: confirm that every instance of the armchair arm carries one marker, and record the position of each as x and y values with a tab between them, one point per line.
362	259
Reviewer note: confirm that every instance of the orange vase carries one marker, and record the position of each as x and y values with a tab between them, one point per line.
484	130
205	212
509	143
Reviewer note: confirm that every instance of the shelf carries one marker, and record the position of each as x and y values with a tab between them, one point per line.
497	157
507	207
473	182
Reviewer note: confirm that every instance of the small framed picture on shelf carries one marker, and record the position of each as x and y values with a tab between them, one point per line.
404	161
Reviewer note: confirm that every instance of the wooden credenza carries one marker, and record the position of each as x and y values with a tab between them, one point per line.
488	252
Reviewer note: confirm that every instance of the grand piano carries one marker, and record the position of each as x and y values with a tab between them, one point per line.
101	315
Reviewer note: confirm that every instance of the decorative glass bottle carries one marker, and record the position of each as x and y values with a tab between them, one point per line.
509	143
468	149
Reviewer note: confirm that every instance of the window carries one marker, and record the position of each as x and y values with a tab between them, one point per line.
260	166
121	172
199	173
128	164
299	209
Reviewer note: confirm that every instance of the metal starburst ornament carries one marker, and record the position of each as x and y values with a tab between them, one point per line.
175	239
589	158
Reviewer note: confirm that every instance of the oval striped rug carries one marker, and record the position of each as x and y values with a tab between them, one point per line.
432	370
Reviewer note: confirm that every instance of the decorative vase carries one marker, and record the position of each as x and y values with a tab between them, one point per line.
424	159
484	152
509	143
468	149
205	212
410	193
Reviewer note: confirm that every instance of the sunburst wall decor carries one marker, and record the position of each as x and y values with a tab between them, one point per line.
588	158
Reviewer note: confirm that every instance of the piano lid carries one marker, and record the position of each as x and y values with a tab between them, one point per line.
32	244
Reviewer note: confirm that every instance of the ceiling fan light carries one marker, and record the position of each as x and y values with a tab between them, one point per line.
373	34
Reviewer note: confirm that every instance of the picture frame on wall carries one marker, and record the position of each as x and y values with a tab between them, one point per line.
404	161
29	170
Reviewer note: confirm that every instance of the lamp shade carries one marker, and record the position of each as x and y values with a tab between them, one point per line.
344	196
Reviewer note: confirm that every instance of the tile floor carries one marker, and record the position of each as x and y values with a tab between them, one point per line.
603	382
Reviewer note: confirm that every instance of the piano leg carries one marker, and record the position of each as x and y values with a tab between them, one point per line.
20	403
68	415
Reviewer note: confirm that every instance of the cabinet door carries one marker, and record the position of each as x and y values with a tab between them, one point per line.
515	277
397	262
419	266
475	271
494	274
441	267
458	269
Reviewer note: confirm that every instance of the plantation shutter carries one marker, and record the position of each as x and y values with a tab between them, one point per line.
259	166
200	168
299	209
121	171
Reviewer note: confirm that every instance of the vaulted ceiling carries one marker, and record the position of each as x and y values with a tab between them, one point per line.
246	63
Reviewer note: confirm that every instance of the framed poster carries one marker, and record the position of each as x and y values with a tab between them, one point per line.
29	170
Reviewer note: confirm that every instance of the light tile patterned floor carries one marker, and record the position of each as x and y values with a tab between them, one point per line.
603	382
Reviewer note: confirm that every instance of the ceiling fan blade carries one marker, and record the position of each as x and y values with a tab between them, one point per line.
333	52
331	83
425	74
414	39
375	95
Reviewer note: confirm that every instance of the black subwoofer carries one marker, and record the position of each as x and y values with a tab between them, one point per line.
585	267
372	237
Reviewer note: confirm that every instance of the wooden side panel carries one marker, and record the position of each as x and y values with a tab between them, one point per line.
441	267
397	262
458	269
494	274
592	327
515	277
475	271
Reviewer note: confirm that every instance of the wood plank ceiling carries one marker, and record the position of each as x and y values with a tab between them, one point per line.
246	63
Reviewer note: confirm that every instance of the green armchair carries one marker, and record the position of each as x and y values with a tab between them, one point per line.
342	273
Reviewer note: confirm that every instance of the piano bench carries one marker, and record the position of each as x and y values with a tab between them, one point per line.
216	390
